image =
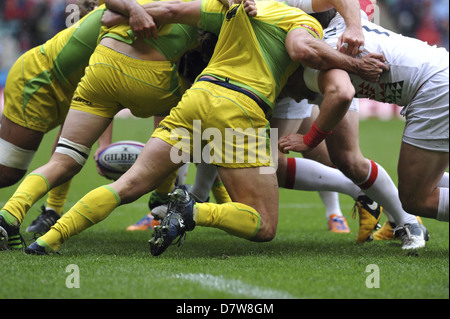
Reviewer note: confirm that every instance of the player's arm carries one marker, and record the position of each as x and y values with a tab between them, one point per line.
353	36
316	54
338	93
140	21
166	12
162	12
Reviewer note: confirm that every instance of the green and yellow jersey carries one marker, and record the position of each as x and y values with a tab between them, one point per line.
173	39
251	51
69	51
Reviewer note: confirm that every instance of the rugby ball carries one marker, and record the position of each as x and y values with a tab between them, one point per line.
118	157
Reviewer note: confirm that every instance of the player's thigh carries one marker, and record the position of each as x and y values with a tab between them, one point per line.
419	173
151	168
250	187
17	147
84	128
285	126
20	136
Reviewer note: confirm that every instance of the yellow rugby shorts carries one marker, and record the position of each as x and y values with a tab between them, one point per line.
217	125
114	81
33	98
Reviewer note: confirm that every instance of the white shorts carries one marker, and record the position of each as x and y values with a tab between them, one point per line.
287	108
427	115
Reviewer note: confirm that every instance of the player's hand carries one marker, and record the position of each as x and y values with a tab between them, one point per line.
371	66
142	24
96	155
351	42
292	142
250	8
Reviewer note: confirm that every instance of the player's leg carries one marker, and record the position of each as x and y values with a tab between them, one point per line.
17	148
424	151
253	212
149	171
220	192
310	174
80	131
252	215
335	218
53	209
343	146
420	172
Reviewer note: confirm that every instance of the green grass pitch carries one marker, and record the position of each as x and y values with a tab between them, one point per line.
305	260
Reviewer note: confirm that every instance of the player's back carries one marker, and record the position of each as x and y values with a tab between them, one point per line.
411	62
251	52
68	52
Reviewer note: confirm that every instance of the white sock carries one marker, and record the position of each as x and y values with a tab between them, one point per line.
442	213
380	188
182	174
204	180
313	176
444	181
331	202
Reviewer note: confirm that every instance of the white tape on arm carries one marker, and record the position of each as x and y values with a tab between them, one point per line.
15	157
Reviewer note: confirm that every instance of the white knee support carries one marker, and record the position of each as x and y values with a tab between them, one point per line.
15	157
78	152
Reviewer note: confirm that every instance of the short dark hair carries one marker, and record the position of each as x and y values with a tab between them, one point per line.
325	17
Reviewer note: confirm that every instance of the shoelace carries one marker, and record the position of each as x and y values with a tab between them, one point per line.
355	209
406	229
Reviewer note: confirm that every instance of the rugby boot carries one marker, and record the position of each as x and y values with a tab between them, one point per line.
387	231
338	224
44	221
369	213
412	236
145	223
35	249
10	237
179	219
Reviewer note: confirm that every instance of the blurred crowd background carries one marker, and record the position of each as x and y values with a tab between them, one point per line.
25	24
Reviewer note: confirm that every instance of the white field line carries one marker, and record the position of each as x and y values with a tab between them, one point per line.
232	286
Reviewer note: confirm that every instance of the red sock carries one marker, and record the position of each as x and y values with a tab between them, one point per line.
372	176
290	173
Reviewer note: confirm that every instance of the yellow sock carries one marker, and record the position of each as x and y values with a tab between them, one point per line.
57	197
94	207
169	183
32	188
235	218
220	193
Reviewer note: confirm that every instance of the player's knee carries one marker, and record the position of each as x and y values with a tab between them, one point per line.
267	230
14	162
265	234
346	163
351	164
9	176
77	152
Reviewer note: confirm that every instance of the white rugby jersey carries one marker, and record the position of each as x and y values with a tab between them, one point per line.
411	62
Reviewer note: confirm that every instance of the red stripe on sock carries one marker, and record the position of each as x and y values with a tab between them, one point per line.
373	176
290	173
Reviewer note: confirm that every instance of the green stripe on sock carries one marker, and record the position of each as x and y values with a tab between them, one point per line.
116	195
9	219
